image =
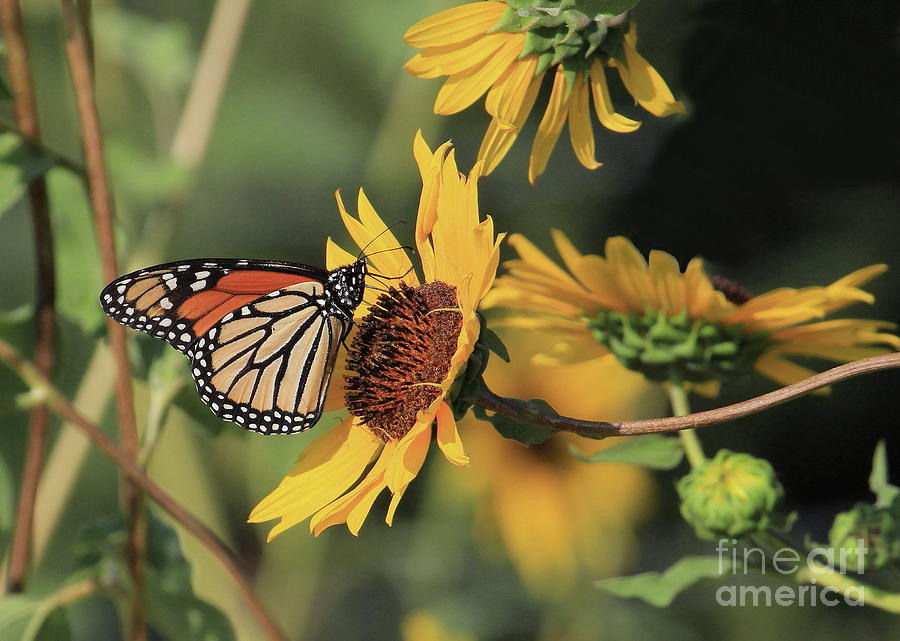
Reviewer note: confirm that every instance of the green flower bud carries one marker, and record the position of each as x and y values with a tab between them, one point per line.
876	527
729	496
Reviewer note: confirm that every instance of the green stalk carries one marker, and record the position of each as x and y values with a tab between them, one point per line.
678	397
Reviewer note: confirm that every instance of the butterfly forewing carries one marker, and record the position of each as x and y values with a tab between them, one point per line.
178	302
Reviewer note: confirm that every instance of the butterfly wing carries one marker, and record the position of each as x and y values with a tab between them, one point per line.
266	364
179	302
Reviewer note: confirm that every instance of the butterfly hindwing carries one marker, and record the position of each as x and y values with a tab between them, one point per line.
267	364
178	302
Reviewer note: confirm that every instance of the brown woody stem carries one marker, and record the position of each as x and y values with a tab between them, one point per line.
79	56
514	409
24	104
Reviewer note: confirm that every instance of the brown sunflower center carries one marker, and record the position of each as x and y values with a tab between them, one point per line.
734	291
401	355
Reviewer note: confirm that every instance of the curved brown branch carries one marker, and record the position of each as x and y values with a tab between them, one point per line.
79	56
60	405
24	104
517	410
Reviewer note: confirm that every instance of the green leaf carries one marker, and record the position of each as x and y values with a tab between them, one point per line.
78	272
20	163
524	433
26	618
883	490
489	339
661	589
172	608
655	451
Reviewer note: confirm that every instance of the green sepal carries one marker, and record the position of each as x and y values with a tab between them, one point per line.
656	451
571	69
660	589
563	52
539	41
524	433
513	22
665	348
612	45
594	37
469	381
490	340
543	63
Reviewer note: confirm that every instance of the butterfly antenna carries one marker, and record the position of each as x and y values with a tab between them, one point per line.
362	252
400	277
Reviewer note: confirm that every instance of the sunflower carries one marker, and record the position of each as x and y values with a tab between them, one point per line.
413	343
679	326
506	49
561	519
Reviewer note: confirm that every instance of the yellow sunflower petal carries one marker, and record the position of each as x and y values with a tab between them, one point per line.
498	140
860	276
782	371
336	256
549	128
353	507
510	99
448	436
666	275
581	133
645	84
430	169
454	25
630	273
462	89
408	456
322	473
371	234
395	501
606	112
450	59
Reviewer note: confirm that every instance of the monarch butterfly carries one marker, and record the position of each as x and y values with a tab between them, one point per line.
262	336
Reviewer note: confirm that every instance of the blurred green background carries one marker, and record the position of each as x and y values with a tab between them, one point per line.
784	172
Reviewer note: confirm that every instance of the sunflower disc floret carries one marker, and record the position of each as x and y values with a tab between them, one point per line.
730	496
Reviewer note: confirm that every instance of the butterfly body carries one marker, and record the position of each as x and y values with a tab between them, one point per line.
262	336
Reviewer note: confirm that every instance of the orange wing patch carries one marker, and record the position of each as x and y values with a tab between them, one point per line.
232	292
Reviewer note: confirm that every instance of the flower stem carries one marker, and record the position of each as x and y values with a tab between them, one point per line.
515	409
681	406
